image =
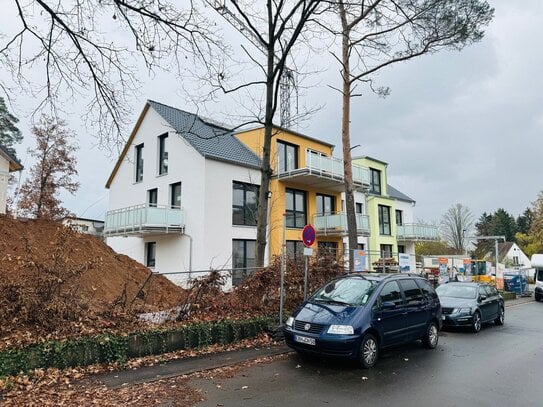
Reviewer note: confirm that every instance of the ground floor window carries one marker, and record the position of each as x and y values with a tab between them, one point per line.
327	247
150	254
401	248
243	259
386	250
295	250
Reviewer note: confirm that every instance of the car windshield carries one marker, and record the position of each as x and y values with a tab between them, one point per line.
457	291
345	291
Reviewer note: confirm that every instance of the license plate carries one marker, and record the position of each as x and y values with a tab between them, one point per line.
304	339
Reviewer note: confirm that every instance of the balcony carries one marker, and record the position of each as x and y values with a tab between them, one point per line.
335	224
417	232
144	219
325	173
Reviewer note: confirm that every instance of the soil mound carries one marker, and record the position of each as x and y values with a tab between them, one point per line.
54	279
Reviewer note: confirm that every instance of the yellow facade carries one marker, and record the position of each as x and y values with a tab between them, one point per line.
254	139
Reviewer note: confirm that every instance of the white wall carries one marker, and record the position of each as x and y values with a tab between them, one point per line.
4	175
218	212
206	198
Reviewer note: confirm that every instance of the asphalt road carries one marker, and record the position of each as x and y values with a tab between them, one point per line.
499	366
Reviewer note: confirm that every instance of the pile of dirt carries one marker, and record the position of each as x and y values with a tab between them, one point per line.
53	279
56	283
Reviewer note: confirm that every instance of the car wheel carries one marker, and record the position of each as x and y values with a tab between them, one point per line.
501	317
369	351
431	337
537	297
476	325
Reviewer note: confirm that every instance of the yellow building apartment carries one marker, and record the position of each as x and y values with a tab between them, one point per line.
305	189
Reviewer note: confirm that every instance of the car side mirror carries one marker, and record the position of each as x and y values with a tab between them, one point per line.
388	305
482	297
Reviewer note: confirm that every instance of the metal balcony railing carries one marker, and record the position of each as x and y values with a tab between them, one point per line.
417	231
336	223
329	167
144	218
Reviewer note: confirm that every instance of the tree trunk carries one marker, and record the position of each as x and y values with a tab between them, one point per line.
346	142
266	170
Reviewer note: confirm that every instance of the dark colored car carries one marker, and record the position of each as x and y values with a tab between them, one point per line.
357	315
470	304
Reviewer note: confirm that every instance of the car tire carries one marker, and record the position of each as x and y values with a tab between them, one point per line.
501	316
476	324
537	297
431	337
369	351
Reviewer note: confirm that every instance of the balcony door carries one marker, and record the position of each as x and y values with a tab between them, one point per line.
326	204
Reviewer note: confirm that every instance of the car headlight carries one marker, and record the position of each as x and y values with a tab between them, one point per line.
289	322
462	311
341	329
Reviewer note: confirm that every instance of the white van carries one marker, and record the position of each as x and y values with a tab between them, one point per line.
537	264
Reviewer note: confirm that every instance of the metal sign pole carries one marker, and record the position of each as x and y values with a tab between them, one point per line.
305	279
282	273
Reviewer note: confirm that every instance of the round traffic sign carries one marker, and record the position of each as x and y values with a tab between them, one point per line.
308	235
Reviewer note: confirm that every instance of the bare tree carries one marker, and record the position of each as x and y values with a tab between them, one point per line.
456	225
374	34
53	171
275	27
56	47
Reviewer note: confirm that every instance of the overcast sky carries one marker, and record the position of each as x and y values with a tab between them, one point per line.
458	127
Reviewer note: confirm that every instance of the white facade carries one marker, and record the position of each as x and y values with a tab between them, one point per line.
88	226
206	201
4	175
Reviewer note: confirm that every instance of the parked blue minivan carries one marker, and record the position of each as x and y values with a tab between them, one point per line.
357	315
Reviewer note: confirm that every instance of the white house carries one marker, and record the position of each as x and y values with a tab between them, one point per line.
8	163
175	190
92	227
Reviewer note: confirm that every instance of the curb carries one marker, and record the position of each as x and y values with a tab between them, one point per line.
179	367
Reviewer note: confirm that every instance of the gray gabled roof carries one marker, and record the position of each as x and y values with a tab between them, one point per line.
394	193
209	139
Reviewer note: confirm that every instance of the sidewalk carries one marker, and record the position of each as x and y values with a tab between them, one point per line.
180	367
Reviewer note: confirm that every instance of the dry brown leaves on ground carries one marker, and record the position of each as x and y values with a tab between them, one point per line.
74	387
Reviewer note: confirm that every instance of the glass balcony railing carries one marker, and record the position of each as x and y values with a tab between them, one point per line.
330	167
336	223
417	231
141	218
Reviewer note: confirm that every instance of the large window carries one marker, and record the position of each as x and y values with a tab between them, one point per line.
175	195
295	208
287	156
295	249
327	247
162	154
412	292
243	259
139	162
386	250
150	254
326	204
152	197
384	219
399	217
375	186
244	203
